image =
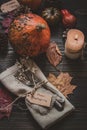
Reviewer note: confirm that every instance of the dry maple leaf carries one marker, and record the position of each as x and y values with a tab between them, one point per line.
5	100
53	54
62	83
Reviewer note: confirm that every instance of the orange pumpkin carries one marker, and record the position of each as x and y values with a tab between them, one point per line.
29	34
33	4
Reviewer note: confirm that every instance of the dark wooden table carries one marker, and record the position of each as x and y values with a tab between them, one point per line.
22	120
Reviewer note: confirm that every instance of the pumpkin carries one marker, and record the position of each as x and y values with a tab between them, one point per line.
51	15
29	34
33	4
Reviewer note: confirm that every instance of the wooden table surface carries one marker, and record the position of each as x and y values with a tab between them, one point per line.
77	120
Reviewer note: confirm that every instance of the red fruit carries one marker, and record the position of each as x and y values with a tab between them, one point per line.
68	19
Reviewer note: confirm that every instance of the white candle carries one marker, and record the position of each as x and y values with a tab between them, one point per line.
74	43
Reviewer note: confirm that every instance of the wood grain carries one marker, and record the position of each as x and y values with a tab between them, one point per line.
22	120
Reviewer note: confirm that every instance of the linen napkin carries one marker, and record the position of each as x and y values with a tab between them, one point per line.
44	116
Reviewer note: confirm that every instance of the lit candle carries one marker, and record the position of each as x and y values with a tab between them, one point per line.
74	43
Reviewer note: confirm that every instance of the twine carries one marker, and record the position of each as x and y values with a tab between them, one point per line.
36	86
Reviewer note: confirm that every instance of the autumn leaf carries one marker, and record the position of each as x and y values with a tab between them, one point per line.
5	100
62	83
53	54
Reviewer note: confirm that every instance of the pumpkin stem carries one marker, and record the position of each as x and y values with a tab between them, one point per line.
27	10
40	27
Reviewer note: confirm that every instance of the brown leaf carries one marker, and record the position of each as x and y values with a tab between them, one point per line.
53	54
62	83
5	100
52	78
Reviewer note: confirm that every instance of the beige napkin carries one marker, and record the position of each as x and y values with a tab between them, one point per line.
50	116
